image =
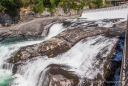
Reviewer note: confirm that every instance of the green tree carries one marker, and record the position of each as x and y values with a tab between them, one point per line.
56	2
46	3
97	3
38	6
10	6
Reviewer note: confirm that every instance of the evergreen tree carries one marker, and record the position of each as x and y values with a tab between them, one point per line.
46	3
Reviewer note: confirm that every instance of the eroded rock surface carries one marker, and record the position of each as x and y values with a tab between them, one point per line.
32	28
55	75
121	25
56	45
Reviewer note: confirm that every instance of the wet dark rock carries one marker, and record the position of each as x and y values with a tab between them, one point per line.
79	23
109	66
113	32
32	28
55	75
115	64
56	45
111	20
121	25
1	38
97	81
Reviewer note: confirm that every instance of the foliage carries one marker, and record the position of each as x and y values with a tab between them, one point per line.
38	6
56	2
11	6
97	3
38	9
107	4
46	3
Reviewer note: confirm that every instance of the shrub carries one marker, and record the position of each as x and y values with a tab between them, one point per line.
97	3
10	6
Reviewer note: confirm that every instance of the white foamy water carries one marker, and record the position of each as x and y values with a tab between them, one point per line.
55	29
82	59
7	50
106	13
5	53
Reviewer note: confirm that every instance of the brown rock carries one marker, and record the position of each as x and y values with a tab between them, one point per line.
121	25
31	28
56	45
56	76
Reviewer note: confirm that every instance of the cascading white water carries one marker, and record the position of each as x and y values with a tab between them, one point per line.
8	49
81	58
55	29
106	13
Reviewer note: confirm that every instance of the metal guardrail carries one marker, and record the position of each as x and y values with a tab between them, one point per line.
124	67
126	57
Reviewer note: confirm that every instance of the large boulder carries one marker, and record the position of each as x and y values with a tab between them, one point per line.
55	75
56	45
5	19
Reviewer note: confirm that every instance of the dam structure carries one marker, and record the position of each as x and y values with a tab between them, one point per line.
106	13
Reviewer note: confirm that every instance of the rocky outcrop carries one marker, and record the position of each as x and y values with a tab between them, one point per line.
5	19
55	75
26	14
56	45
115	63
121	25
109	66
60	12
45	14
32	28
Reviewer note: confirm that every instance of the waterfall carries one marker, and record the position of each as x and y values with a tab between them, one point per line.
78	58
85	59
55	29
6	51
106	13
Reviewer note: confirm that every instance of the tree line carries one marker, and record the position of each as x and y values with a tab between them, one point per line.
11	6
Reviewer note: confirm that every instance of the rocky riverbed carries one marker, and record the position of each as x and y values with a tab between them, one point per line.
78	55
32	28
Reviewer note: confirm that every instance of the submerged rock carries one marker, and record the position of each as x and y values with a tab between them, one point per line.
56	45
